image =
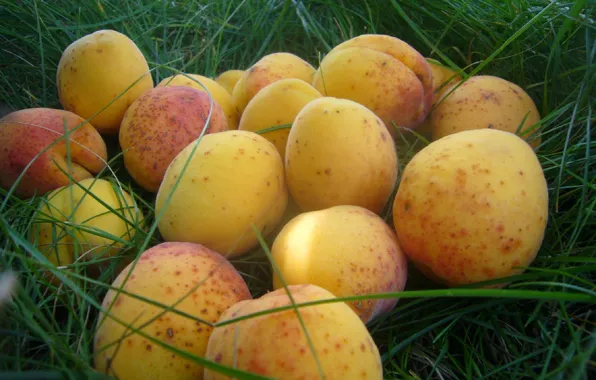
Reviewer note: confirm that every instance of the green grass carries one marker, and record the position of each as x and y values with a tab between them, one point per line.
541	326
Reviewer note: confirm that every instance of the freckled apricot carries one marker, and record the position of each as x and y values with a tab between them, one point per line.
336	158
505	106
312	249
26	136
219	212
219	286
470	231
381	72
282	350
277	104
269	69
159	124
100	75
219	93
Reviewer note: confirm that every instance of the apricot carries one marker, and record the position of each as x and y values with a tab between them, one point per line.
472	206
187	277
228	79
340	153
486	101
275	345
232	182
384	74
25	134
267	70
277	104
73	225
104	69
218	92
159	124
347	250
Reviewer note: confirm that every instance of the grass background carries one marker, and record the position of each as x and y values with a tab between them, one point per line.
542	326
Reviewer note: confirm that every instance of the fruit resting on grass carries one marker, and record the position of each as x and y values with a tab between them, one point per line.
25	134
267	70
102	69
71	225
277	104
187	277
486	102
347	250
384	74
276	346
340	153
234	180
218	92
472	207
159	124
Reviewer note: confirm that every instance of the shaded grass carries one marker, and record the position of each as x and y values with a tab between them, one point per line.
542	326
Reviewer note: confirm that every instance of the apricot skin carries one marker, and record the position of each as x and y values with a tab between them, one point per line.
159	124
344	346
188	277
384	74
472	206
100	75
26	133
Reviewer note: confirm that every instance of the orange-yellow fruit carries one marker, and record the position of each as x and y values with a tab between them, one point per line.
228	79
472	207
274	345
102	69
233	182
267	70
347	250
340	153
89	221
25	134
381	72
159	124
219	93
487	102
277	104
187	277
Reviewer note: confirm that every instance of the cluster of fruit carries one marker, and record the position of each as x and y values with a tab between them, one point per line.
306	156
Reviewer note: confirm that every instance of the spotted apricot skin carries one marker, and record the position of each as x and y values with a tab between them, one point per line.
339	153
277	104
166	273
217	91
267	70
233	183
384	74
486	101
274	345
347	250
100	75
159	124
472	207
26	133
228	79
